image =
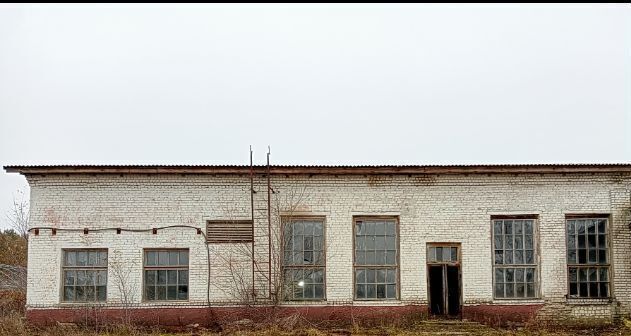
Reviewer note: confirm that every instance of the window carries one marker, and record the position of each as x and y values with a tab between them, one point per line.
166	275
375	263
514	260
84	275
587	257
303	262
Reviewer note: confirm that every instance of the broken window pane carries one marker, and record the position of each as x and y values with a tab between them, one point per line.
305	246
84	275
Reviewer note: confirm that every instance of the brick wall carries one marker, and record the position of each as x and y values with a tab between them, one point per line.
431	208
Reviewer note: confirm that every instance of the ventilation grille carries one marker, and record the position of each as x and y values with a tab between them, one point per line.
229	231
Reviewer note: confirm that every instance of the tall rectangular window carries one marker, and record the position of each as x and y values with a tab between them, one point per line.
303	260
514	259
588	257
84	275
166	275
375	262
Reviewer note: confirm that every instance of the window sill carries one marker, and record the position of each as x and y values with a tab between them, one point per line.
588	301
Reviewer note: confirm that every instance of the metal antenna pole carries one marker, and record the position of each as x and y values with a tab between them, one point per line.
252	207
269	225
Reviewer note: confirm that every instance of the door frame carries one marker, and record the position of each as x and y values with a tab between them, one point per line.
444	264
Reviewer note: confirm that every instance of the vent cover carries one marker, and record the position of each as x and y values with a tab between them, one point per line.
229	231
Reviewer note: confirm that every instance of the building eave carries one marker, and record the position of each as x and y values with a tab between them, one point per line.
328	170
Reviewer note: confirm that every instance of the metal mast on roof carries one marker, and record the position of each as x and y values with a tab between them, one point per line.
252	207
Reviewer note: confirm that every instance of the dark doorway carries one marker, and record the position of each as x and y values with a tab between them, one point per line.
444	285
436	281
453	290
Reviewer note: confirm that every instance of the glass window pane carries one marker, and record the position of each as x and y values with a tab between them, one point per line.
371	291
381	276
391	276
571	225
380	228
499	257
92	258
381	291
101	293
69	277
528	227
172	277
391	228
101	279
499	242
446	254
391	291
69	293
82	258
173	258
497	227
183	277
318	291
499	275
151	292
161	292
71	258
150	277
518	228
530	274
172	293
162	277
151	258
454	254
499	290
528	242
530	288
102	258
360	291
184	258
510	275
163	258
510	290
439	254
508	227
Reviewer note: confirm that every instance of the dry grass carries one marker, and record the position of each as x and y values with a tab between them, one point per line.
15	325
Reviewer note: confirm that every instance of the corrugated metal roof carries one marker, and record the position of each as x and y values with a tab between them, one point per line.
323	169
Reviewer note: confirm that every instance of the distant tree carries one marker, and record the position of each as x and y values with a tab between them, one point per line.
18	215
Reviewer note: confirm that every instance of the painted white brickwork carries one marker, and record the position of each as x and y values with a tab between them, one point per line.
431	208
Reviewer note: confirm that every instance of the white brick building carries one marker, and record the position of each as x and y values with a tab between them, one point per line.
513	241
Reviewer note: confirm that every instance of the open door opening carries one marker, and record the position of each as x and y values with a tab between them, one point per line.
443	279
453	290
437	303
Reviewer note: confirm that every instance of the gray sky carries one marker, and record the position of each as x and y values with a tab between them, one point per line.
321	84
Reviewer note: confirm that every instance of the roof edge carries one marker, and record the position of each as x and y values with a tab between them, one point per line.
331	170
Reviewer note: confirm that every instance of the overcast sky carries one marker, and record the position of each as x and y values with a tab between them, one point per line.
321	84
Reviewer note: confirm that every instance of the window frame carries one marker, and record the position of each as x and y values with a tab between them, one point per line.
536	254
396	266
167	267
62	282
289	219
609	254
